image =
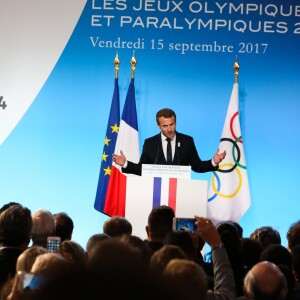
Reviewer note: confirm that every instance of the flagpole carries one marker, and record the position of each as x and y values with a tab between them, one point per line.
236	68
116	64
133	63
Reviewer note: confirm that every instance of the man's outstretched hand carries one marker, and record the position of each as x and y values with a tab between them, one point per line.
218	157
119	159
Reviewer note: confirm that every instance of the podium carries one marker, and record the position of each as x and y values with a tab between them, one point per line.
186	196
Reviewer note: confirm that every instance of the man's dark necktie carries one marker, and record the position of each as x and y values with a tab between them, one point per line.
169	152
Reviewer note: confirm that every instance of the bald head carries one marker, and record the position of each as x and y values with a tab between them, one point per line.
265	281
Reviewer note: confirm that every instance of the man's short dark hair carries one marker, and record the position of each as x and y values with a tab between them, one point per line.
160	221
116	226
63	226
166	113
293	234
15	226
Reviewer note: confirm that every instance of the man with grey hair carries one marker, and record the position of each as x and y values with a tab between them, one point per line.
265	281
43	225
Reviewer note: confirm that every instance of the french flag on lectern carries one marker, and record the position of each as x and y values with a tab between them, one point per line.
108	149
128	142
229	195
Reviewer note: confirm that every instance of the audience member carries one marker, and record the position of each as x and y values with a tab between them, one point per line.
184	240
93	241
250	253
293	235
27	258
162	256
295	252
15	230
184	279
231	239
117	226
47	268
290	280
49	265
265	281
278	255
7	205
72	252
42	227
139	244
160	223
118	269
267	235
181	271
239	228
63	226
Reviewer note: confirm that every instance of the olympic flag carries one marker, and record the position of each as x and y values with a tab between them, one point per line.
229	194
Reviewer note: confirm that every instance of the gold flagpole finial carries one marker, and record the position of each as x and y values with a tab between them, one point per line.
133	63
236	68
116	64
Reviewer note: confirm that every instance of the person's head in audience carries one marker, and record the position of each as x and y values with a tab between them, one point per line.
15	230
72	251
184	279
267	235
163	256
43	226
277	254
94	240
49	265
160	222
238	227
15	227
265	281
184	240
119	268
116	226
250	252
27	258
7	205
138	244
293	234
63	226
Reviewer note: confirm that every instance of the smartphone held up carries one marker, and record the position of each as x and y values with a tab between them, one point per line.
53	243
184	224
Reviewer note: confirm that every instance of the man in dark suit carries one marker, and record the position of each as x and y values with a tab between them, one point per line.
182	149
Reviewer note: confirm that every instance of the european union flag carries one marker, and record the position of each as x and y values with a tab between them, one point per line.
108	149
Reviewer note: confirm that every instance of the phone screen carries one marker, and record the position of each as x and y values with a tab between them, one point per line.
30	281
184	224
53	243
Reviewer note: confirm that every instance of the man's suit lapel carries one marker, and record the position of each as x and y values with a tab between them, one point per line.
161	160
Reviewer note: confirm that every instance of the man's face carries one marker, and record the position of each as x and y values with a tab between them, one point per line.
167	126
